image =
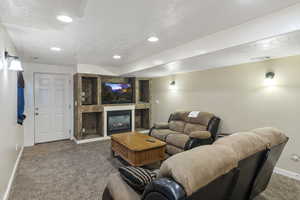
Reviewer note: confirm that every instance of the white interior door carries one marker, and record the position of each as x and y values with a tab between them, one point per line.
51	107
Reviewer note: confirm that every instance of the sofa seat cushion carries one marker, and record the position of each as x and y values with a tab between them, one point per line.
119	189
273	135
172	150
177	126
189	127
162	134
178	140
244	144
137	177
198	167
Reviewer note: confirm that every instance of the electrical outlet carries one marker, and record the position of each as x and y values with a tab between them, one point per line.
295	158
157	101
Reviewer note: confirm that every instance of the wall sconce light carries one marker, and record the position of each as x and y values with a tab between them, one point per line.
172	85
13	62
269	78
270	75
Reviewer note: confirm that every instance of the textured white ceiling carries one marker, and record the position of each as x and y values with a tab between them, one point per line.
275	47
102	28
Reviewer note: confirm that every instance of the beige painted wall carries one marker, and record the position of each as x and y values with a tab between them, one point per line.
239	96
11	134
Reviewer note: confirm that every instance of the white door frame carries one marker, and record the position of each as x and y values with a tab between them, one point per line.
69	97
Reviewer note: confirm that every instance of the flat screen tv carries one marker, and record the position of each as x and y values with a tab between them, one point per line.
114	93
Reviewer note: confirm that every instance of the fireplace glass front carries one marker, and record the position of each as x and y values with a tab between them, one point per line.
118	121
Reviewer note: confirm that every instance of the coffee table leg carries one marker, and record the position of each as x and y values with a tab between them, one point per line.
112	153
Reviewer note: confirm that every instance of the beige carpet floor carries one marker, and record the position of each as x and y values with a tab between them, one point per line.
66	171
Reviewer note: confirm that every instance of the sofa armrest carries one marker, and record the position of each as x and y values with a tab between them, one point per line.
195	142
200	134
213	127
198	138
163	188
220	135
117	189
161	125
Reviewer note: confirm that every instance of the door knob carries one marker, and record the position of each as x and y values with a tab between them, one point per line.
36	114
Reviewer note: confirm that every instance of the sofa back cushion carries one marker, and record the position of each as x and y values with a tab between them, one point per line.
273	135
180	116
198	167
177	125
244	144
182	122
203	118
189	127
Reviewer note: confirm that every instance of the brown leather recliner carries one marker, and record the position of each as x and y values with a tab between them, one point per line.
237	167
183	132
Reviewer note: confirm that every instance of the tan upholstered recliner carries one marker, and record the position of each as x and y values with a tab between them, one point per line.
236	167
183	132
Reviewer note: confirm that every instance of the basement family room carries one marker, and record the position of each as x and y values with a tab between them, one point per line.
149	100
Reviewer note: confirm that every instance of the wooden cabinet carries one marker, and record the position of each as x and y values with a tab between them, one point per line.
142	119
142	90
88	116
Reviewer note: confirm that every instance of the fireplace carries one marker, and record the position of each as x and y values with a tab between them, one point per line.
119	121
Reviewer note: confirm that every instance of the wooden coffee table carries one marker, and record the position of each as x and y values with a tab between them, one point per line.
138	149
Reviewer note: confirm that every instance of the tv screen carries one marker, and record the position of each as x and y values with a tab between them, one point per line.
113	93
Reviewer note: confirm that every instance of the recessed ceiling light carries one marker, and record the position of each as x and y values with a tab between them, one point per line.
153	39
117	57
64	18
55	49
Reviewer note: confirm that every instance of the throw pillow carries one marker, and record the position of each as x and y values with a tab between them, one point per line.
137	177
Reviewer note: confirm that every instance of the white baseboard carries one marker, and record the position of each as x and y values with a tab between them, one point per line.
91	140
287	173
12	176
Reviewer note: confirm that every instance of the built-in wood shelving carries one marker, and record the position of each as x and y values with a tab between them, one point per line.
88	107
142	119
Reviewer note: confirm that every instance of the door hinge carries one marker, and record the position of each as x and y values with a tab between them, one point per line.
70	106
70	132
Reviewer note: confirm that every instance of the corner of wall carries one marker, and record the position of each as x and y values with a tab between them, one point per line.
11	140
